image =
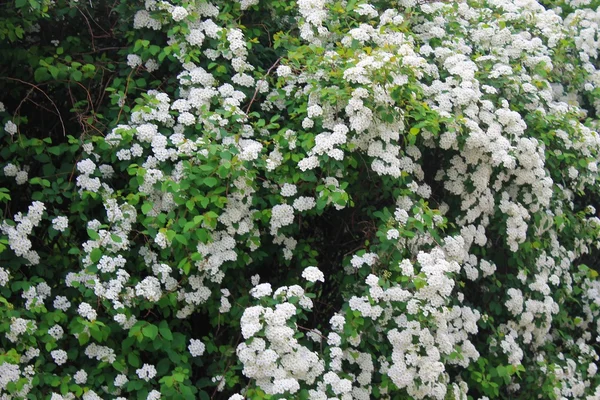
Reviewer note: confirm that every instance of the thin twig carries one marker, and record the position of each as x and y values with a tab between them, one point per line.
44	93
256	91
89	27
266	31
226	370
125	94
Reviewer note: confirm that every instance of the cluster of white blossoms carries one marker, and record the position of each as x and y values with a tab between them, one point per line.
36	295
86	311
9	373
85	180
281	215
445	108
19	327
10	128
101	353
20	174
18	235
313	274
60	223
147	372
59	356
273	356
196	347
421	368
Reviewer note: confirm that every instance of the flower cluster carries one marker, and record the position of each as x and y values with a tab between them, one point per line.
438	162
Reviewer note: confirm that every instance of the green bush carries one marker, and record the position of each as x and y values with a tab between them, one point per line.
309	199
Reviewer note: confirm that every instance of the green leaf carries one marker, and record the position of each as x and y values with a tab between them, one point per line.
150	331
181	239
164	330
96	255
146	208
350	5
118	366
76	75
211	181
154	49
41	74
189	205
133	359
54	71
83	338
56	150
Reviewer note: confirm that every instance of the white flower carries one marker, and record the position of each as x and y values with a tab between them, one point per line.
86	167
262	290
287	190
401	216
179	13
21	177
196	348
393	234
61	303
147	372
314	111
153	395
56	332
10	169
283	71
133	60
86	311
149	288
10	128
304	203
59	356
151	65
313	274
307	123
245	4
4	277
120	380
281	215
80	377
60	223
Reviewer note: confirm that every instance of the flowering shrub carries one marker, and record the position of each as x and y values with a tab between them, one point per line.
309	199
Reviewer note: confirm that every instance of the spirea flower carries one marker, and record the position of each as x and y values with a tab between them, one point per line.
61	303
147	372
288	190
59	356
178	13
196	348
60	223
134	61
86	311
313	274
80	377
283	71
261	290
10	128
56	332
120	380
10	169
86	167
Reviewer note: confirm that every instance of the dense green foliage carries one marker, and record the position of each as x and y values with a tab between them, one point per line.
299	199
